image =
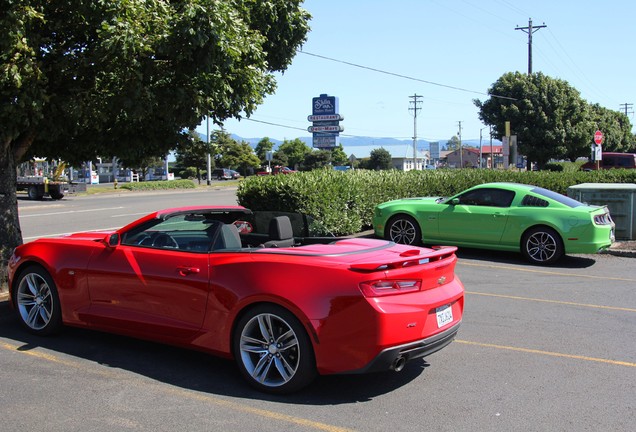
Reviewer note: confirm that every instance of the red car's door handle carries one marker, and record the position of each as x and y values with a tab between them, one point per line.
184	271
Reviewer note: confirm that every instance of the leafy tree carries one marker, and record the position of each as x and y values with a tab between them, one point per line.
380	159
193	152
295	151
83	78
235	155
316	159
280	158
548	116
263	146
616	128
453	143
338	156
144	165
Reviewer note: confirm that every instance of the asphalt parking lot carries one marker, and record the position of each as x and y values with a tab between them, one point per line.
540	348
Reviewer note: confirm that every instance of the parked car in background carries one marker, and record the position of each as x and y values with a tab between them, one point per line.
541	224
612	160
277	170
220	280
235	174
222	174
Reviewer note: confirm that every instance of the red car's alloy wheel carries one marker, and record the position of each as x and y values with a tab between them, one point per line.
37	302
273	350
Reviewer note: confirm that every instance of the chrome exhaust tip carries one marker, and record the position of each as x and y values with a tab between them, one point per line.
398	364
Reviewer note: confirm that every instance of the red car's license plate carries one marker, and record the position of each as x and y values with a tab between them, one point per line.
444	315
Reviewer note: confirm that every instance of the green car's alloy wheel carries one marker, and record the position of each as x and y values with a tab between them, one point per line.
542	245
273	350
37	302
403	229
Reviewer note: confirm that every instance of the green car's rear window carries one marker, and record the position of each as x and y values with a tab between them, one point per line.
557	197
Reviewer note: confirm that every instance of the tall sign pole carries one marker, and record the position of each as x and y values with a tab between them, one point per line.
596	148
208	175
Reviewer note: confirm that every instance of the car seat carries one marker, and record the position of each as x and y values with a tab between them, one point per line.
281	233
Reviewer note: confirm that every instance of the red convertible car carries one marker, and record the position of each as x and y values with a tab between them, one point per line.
286	307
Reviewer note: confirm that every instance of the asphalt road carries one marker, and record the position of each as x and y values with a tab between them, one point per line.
540	348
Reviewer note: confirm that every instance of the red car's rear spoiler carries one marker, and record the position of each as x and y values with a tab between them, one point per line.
408	258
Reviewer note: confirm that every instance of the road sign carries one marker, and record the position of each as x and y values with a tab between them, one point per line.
325	128
325	121
325	141
325	117
598	137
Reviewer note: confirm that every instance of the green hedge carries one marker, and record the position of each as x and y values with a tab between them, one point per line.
344	201
159	185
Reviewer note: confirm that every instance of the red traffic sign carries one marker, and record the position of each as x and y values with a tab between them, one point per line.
598	137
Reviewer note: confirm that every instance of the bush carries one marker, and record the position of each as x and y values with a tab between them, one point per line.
159	185
344	201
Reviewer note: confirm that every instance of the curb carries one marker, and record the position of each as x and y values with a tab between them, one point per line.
619	252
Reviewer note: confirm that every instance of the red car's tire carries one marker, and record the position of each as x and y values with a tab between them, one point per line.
273	351
403	229
36	300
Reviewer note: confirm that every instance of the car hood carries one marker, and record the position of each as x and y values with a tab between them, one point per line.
419	200
91	235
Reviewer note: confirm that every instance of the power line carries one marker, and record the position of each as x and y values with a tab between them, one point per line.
404	76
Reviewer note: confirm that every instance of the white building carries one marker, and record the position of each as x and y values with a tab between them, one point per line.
401	155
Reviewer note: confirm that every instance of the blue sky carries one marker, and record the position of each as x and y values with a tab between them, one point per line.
451	51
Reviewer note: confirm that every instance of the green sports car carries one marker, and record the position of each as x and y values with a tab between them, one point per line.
541	224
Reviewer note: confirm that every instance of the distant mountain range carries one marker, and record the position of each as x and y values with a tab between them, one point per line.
368	141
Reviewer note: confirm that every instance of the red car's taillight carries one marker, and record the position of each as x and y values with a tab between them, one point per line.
379	288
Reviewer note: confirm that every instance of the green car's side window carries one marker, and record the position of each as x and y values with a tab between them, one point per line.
488	197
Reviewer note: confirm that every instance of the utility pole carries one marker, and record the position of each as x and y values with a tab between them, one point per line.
529	30
414	106
627	106
481	153
461	151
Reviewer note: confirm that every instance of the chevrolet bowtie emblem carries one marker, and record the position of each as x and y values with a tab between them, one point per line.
441	280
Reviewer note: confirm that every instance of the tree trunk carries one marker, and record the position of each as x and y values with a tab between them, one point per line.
10	232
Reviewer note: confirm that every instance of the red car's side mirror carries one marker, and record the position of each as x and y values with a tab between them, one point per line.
113	240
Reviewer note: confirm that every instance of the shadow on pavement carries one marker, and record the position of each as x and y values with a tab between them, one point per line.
567	262
195	370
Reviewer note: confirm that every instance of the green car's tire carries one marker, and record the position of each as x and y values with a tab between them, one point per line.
403	229
542	245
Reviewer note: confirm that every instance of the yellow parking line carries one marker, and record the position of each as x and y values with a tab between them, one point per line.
553	301
243	408
547	272
547	353
49	357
